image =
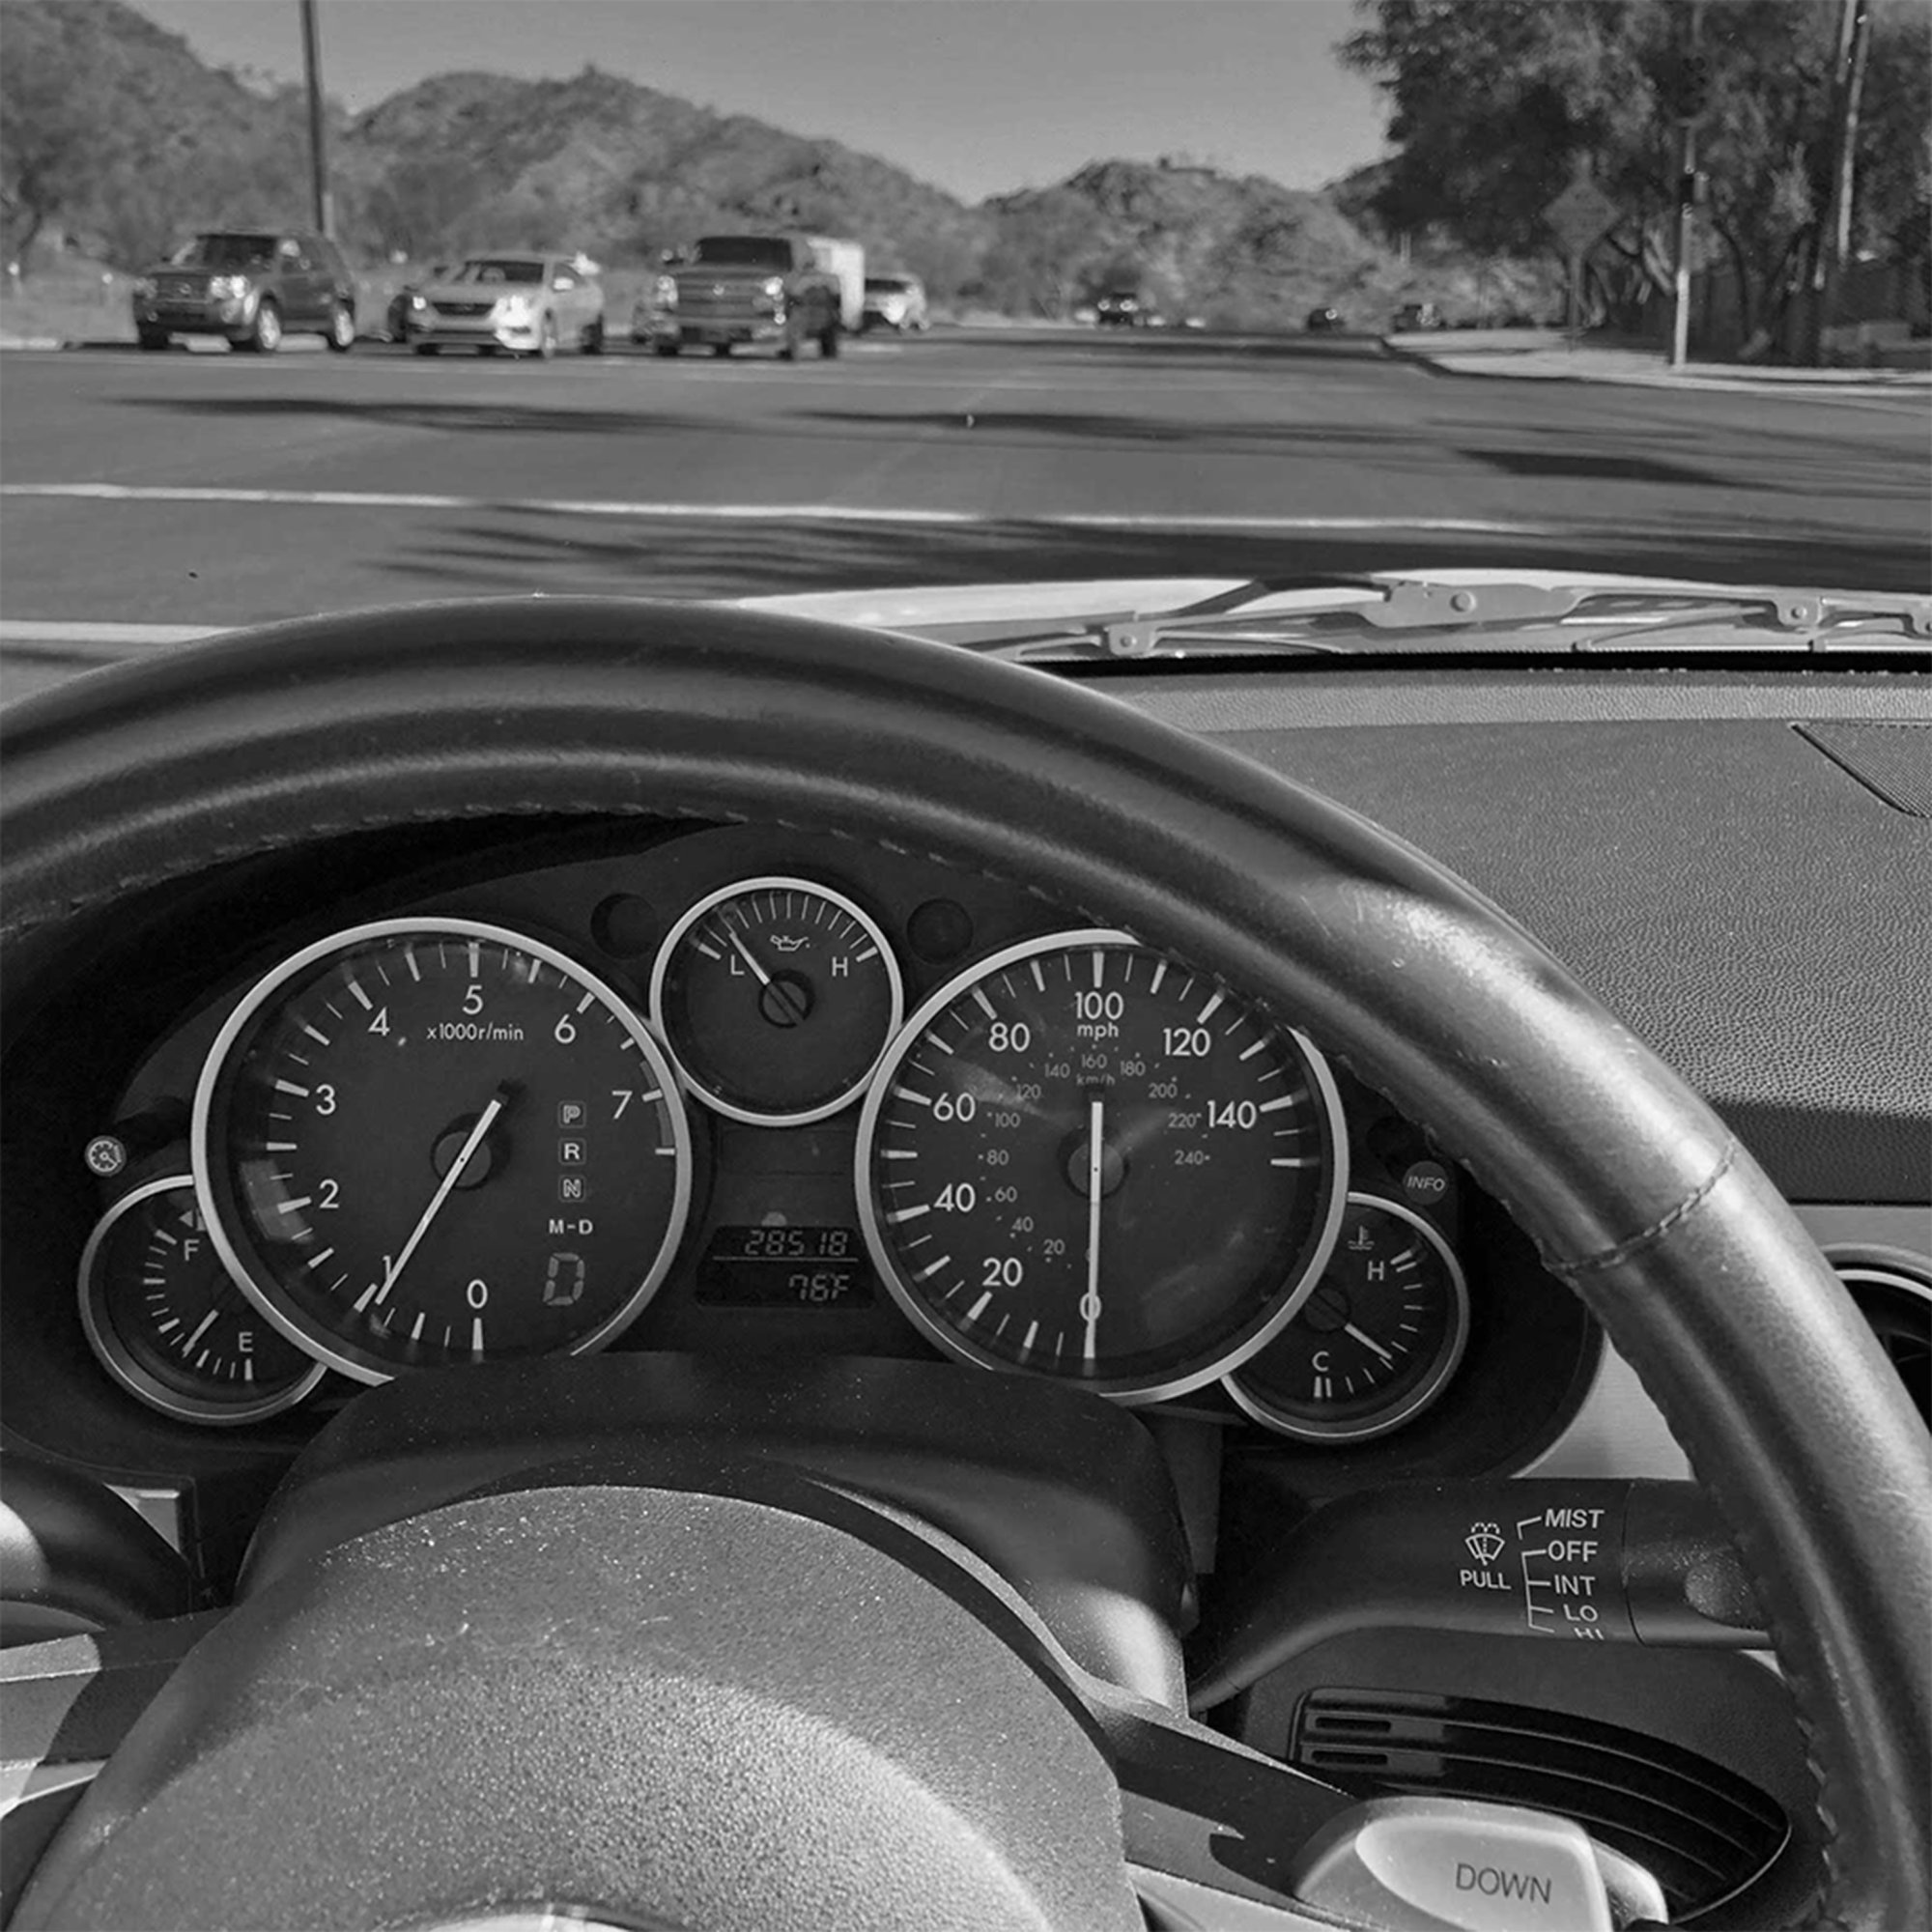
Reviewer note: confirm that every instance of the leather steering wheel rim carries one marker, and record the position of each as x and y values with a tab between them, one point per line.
1634	1192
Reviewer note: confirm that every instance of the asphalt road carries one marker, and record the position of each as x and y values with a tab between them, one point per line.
333	481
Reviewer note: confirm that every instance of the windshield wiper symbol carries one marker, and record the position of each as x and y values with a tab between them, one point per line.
1483	1542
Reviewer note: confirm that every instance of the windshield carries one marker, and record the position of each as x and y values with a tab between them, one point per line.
494	269
741	252
1087	313
224	251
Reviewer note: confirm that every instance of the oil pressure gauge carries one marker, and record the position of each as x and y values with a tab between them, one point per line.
1377	1341
776	998
170	1326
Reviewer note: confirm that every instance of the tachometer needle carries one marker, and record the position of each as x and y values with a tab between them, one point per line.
1367	1341
1089	1302
442	1193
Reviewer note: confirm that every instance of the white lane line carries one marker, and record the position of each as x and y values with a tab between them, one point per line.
31	631
785	513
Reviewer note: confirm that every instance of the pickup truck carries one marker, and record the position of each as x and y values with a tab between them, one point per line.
730	289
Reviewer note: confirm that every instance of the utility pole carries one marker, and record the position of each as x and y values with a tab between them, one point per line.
1694	98
1835	237
321	202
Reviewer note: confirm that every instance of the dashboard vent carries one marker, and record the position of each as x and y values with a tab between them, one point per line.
1703	1829
1897	1302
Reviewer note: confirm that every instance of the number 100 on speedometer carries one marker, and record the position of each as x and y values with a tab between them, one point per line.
1084	1160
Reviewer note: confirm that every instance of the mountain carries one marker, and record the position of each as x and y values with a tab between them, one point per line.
113	133
602	163
1239	250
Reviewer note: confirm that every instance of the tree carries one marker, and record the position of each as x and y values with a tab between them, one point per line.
60	137
1495	103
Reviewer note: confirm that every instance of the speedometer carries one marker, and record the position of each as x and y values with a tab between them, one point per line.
429	1142
1082	1159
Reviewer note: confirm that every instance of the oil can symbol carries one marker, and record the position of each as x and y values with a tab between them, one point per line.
1483	1542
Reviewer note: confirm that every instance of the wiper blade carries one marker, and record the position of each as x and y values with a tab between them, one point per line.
1401	616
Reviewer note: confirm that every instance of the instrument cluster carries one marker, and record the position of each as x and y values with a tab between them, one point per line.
677	1097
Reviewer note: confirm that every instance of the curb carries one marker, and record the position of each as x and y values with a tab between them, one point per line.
1810	384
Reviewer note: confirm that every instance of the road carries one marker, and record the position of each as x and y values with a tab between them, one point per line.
317	481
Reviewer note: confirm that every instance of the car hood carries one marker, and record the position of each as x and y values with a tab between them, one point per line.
469	292
726	277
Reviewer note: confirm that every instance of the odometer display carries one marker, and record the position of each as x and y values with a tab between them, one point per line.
423	1143
1083	1159
785	1266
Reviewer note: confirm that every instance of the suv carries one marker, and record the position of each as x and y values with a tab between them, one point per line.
761	289
1419	315
253	287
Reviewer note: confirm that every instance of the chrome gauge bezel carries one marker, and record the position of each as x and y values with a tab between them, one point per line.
667	953
1259	1409
119	1362
320	1343
1138	1394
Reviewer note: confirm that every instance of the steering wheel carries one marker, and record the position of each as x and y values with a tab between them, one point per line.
1635	1193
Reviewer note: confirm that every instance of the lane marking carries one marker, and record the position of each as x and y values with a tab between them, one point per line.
813	513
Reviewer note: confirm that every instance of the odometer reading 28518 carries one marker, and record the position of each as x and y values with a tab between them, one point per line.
430	1142
1082	1159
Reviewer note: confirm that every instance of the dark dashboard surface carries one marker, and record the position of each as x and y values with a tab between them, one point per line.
1753	904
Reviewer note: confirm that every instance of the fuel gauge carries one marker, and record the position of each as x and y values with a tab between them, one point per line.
170	1326
1376	1343
776	998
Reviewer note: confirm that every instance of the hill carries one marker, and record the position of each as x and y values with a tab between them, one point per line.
114	133
600	162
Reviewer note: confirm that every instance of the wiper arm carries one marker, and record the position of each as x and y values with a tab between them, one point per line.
1371	616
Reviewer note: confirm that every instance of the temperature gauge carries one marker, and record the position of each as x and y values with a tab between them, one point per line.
171	1326
776	998
1374	1344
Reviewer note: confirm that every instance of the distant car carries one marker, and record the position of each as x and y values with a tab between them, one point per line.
396	319
1413	316
1119	308
252	287
894	301
1324	321
521	304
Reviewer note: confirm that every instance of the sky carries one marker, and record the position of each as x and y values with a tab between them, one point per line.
979	96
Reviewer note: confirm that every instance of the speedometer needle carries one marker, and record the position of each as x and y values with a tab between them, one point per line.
442	1193
1089	1302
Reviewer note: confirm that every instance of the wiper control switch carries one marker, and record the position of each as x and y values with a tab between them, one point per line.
1582	1561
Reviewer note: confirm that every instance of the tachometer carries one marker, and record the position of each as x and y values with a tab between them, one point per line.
427	1142
1083	1159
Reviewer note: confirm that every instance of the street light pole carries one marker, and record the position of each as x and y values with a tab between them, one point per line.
1853	45
1694	82
321	202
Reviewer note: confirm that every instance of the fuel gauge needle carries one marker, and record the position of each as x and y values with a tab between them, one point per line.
1089	1302
456	1167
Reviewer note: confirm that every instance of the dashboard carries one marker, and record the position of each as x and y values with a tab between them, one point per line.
743	1090
397	1100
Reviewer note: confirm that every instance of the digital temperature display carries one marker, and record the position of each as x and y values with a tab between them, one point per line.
785	1267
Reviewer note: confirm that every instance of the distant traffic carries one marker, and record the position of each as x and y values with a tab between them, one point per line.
776	292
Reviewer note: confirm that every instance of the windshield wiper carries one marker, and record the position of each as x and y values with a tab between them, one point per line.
1377	616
